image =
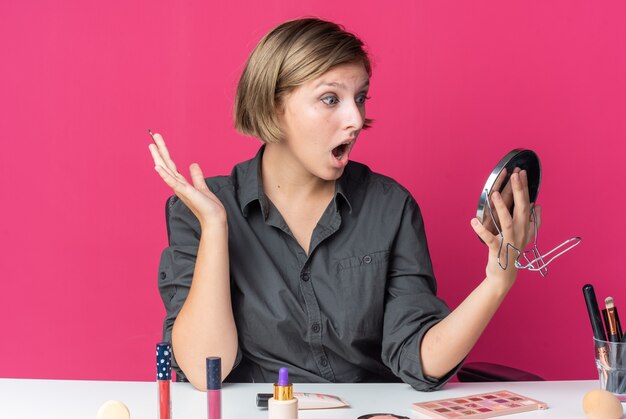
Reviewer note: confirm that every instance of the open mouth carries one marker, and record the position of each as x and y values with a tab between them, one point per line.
340	150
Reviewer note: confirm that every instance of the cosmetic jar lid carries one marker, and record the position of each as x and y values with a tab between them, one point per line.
382	415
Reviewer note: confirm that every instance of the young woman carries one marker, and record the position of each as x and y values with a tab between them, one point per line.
302	258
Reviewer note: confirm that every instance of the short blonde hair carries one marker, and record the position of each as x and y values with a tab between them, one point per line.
288	56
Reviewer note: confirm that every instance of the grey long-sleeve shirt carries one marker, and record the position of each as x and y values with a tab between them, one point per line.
354	310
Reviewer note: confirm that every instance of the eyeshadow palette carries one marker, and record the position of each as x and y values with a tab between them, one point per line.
486	405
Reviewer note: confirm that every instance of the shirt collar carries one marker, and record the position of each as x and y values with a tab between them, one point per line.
251	186
342	189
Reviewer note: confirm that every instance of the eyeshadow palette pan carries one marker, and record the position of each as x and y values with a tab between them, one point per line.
486	405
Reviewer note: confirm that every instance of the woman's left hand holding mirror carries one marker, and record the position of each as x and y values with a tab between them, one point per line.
517	229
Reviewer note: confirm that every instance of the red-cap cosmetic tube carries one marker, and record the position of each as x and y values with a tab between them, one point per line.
163	377
214	387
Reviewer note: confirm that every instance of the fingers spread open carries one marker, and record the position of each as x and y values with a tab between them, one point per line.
164	152
156	156
158	160
170	180
197	178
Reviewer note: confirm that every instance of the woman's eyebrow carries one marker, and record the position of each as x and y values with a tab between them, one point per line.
339	85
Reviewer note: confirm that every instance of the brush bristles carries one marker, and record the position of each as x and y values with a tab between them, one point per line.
608	301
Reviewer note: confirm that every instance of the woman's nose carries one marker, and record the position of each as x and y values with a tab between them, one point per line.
354	115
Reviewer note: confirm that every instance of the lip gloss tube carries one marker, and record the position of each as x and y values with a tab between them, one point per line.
163	377
214	387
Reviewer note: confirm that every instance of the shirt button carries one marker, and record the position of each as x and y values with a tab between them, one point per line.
162	275
315	327
324	361
305	276
367	259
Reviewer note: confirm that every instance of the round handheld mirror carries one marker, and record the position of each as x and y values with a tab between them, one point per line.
499	180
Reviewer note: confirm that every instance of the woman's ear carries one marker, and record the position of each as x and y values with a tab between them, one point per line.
279	107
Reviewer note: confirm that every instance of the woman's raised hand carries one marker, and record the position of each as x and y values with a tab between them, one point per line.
196	195
517	228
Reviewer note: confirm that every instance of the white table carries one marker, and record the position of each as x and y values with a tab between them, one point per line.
56	399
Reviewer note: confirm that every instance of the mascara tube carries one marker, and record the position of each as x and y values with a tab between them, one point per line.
163	377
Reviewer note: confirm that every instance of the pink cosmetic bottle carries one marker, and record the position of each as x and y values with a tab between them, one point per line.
214	387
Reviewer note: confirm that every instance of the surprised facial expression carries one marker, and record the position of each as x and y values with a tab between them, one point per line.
322	118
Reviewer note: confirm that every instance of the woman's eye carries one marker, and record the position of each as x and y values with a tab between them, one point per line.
361	99
330	100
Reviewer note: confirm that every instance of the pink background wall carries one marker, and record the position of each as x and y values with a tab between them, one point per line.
456	85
